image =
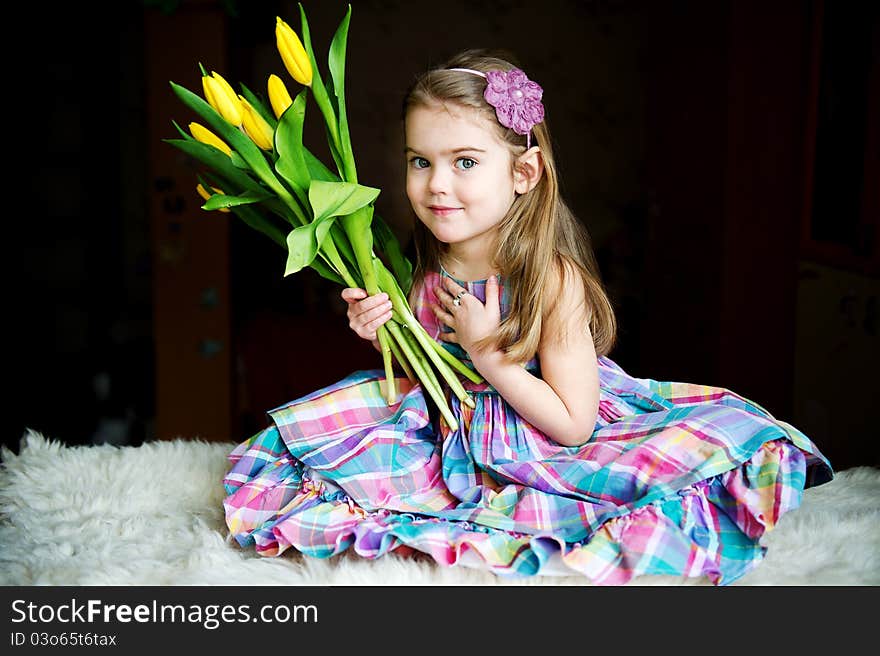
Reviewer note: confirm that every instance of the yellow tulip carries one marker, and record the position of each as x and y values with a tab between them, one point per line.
294	56
221	97
255	125
278	96
204	194
203	134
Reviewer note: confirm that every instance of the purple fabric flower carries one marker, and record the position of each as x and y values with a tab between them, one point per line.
516	99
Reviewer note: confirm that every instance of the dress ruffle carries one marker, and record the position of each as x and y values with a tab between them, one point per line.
678	479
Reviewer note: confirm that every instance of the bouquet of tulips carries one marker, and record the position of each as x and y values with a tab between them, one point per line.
260	170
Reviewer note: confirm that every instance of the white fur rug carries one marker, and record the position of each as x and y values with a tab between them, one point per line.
152	515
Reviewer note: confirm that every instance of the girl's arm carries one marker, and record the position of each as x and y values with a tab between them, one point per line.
563	403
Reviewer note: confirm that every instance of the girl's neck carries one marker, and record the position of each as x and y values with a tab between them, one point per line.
467	263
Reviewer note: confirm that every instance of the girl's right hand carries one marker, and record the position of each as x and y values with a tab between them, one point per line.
366	313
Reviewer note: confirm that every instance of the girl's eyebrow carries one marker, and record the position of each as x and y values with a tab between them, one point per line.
467	149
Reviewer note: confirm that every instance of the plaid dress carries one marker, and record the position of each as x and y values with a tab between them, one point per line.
677	478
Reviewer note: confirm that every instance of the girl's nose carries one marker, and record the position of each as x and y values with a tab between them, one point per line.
437	182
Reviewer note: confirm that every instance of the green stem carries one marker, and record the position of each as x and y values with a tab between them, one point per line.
406	317
390	383
423	371
357	228
447	373
401	359
362	246
454	362
336	261
319	93
337	234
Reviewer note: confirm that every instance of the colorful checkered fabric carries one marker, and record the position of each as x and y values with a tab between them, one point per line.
676	479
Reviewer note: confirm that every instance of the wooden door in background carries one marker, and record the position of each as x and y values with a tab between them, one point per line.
190	246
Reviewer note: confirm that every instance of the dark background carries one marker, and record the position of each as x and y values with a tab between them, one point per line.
724	156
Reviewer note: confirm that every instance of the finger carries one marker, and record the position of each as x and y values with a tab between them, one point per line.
374	312
456	291
493	293
441	293
374	325
366	327
353	294
372	302
452	338
445	299
452	287
443	315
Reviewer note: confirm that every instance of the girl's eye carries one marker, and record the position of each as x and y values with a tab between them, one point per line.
419	162
465	163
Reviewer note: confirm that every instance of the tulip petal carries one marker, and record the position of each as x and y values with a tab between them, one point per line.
294	56
259	105
228	92
279	97
229	110
204	135
255	126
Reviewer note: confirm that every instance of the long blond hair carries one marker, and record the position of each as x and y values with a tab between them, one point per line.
538	238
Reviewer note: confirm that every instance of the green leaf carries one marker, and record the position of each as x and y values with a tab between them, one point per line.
317	169
339	198
325	271
319	91
329	200
254	219
217	160
252	216
390	246
387	241
301	249
238	162
290	164
216	201
186	135
303	243
336	62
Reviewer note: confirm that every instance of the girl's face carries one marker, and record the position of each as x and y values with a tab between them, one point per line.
459	176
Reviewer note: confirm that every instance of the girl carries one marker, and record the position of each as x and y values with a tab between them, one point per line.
565	464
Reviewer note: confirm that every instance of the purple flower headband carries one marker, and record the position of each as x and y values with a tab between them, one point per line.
516	99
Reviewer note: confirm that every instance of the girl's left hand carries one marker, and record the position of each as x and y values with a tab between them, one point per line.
470	320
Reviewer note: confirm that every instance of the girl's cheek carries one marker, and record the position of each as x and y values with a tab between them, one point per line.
410	188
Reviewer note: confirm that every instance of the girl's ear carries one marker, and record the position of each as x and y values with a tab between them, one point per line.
527	170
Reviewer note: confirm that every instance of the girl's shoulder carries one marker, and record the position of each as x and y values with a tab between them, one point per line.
565	288
565	278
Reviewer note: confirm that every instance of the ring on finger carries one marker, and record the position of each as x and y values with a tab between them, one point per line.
457	300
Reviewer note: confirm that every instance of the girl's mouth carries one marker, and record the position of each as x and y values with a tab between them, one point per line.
440	210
